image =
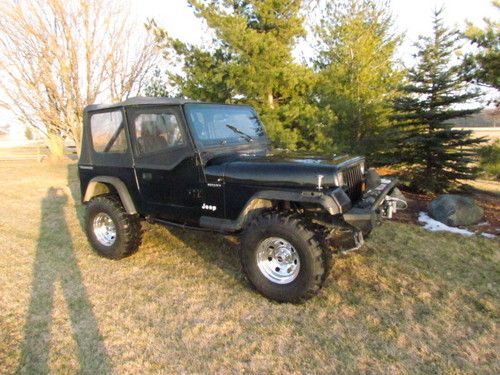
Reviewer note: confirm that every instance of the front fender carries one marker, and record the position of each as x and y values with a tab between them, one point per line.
334	201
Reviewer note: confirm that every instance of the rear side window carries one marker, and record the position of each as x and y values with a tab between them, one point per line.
108	132
158	131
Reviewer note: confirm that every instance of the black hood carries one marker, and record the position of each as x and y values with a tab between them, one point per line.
284	169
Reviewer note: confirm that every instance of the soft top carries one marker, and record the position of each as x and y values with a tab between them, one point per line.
140	100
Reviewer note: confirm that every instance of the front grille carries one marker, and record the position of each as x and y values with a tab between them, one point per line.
353	180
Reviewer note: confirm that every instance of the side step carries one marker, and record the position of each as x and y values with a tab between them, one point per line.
155	220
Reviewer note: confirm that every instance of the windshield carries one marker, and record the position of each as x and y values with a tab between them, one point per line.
216	124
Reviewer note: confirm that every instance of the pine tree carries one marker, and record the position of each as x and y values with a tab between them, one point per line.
157	86
357	73
250	60
483	65
434	155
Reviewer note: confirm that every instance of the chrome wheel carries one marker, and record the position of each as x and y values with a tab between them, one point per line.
278	260
104	229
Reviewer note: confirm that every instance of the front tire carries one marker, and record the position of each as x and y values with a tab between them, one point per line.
112	232
282	258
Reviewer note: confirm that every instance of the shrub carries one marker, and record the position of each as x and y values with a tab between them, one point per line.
489	159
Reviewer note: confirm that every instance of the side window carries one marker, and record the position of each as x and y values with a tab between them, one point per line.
108	132
158	131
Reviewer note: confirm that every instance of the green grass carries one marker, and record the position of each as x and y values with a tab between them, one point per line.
410	301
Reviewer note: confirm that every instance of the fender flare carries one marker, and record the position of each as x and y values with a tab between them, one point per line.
334	201
119	186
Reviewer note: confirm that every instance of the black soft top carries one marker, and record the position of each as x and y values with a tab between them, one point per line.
140	100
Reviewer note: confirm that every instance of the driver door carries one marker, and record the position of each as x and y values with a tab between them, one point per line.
166	167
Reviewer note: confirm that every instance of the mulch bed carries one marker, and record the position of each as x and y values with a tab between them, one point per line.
418	203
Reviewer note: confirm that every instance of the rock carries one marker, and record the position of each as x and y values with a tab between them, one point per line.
455	210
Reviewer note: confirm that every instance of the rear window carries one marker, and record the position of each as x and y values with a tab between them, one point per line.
108	132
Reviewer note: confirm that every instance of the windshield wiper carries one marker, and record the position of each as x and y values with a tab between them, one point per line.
243	135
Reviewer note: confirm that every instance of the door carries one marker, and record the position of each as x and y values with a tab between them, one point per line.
167	170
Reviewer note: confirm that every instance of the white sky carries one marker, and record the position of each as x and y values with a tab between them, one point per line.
412	17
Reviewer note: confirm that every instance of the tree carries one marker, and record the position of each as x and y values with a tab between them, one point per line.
250	60
357	73
58	56
157	86
28	133
433	154
483	65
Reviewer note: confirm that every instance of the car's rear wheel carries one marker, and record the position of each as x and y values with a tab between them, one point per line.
111	231
282	258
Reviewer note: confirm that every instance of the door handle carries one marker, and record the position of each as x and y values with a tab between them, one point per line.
146	176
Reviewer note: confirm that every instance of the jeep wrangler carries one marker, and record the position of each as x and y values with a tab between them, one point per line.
210	167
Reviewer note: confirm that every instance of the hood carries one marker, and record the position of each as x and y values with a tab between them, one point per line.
285	169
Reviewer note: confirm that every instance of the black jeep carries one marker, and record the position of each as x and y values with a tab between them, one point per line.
210	167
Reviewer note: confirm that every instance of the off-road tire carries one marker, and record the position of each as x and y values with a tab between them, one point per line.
313	261
128	227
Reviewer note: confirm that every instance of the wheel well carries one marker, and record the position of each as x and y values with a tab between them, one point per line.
258	205
106	185
255	207
95	189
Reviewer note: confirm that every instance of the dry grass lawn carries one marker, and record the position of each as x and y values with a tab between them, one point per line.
410	301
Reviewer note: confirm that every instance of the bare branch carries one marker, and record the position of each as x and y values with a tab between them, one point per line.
57	56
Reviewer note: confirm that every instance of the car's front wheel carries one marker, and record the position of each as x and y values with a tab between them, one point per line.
111	231
282	257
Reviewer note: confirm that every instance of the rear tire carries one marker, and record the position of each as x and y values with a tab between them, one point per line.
112	232
282	258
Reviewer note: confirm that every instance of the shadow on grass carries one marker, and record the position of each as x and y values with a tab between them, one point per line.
213	248
56	262
74	188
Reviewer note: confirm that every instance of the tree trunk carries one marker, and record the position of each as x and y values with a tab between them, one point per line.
56	146
77	137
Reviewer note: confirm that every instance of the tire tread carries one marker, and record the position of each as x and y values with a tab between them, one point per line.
132	234
306	232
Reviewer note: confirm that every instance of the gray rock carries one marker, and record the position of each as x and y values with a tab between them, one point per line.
455	210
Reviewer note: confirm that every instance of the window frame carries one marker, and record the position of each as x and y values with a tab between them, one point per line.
122	126
261	141
134	113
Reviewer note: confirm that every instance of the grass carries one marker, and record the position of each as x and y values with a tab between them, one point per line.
410	301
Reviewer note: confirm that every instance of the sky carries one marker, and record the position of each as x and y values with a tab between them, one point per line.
413	17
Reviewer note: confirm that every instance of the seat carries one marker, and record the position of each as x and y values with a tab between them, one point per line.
150	139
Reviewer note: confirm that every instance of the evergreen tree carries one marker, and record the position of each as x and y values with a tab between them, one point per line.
483	65
250	61
433	154
357	73
156	85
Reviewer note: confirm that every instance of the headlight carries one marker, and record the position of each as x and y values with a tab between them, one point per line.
362	168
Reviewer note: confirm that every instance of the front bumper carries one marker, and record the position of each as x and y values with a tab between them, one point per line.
369	211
